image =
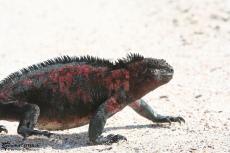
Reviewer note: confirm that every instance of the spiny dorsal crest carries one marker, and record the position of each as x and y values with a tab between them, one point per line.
94	61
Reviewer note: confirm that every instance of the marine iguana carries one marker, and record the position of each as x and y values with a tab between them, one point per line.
67	92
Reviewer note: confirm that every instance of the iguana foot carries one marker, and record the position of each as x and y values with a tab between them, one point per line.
169	119
25	132
111	138
44	133
3	128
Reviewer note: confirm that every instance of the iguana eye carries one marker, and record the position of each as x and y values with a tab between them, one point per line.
151	64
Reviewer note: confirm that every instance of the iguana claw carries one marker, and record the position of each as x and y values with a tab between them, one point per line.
115	138
170	119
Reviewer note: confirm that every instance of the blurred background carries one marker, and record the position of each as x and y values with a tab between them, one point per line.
193	36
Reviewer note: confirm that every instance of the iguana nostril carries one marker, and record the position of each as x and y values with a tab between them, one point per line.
171	70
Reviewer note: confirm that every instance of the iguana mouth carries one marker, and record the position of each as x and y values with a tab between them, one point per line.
168	74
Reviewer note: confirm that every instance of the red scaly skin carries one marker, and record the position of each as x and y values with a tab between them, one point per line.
60	81
70	92
113	106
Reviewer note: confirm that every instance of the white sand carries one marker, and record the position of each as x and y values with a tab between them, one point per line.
193	36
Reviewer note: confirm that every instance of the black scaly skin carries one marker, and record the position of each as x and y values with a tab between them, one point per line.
68	92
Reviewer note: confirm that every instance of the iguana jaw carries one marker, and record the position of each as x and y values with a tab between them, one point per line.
164	76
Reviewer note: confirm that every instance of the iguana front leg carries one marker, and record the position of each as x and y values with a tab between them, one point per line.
97	123
143	109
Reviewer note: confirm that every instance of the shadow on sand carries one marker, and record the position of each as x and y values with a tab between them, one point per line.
59	141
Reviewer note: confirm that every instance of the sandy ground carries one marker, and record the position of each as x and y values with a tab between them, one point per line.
193	36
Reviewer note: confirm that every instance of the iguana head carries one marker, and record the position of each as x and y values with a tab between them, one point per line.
147	74
157	70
